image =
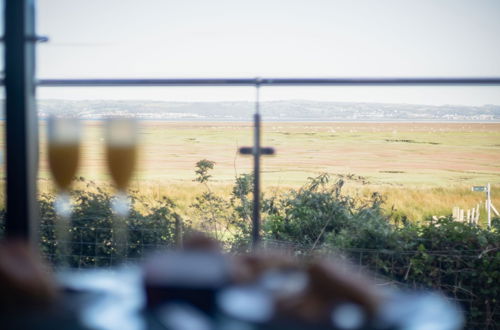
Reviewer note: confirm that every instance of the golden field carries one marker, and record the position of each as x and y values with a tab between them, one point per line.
421	168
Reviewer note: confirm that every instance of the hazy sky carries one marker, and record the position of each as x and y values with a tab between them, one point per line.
269	38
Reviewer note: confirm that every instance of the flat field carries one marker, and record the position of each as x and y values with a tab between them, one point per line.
422	168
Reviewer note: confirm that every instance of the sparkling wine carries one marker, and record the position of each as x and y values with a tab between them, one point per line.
121	163
63	162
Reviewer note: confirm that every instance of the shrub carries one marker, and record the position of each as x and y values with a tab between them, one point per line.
93	226
226	219
319	214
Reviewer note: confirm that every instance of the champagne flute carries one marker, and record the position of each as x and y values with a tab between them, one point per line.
63	155
121	152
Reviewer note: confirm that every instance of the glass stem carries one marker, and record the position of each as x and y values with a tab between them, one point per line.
62	207
120	206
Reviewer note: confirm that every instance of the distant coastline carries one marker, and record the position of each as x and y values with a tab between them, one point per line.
273	111
264	120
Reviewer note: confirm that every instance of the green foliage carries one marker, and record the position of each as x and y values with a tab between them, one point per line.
459	259
92	228
227	220
242	206
319	213
495	223
202	168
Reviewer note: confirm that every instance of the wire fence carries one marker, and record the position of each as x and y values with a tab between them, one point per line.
89	247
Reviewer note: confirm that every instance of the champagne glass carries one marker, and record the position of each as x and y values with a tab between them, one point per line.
63	154
121	152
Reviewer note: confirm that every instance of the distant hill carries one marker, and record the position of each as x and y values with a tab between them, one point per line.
299	110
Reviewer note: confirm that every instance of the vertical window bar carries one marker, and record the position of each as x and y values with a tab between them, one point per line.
21	119
256	172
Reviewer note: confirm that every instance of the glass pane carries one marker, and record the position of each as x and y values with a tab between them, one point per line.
392	178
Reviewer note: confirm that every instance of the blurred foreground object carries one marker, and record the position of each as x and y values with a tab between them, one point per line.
200	288
24	280
274	291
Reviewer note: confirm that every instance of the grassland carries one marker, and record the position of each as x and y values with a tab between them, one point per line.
422	168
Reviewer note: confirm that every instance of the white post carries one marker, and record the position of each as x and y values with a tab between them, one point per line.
493	208
488	203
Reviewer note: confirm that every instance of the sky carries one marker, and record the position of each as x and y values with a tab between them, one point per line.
270	38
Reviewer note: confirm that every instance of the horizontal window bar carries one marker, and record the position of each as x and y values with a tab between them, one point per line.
268	82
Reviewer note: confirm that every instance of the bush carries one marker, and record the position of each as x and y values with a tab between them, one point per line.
318	214
93	226
226	219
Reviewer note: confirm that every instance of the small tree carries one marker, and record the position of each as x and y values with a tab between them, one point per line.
202	168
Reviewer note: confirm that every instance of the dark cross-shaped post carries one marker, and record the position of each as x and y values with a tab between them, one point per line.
256	151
